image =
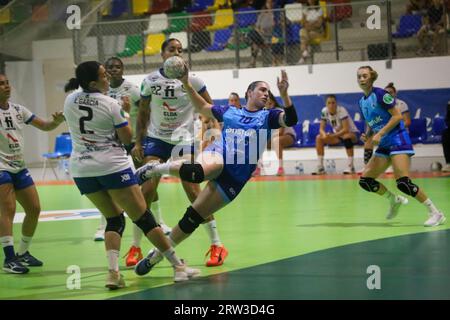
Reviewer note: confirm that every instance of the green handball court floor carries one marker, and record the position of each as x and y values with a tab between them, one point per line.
287	239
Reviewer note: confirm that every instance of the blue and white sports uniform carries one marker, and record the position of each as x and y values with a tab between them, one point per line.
171	116
244	137
12	146
374	109
98	160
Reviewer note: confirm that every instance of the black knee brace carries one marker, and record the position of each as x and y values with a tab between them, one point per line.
190	221
367	155
116	224
348	143
192	172
369	184
405	185
146	222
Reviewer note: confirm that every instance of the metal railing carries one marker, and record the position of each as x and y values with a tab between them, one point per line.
366	30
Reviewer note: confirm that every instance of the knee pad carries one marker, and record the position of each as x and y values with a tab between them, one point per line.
367	155
146	222
190	221
348	143
192	172
405	185
116	224
369	184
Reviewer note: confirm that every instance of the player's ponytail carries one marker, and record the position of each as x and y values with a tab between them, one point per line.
71	85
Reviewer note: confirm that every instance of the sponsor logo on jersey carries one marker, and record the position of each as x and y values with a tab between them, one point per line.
375	121
388	99
125	177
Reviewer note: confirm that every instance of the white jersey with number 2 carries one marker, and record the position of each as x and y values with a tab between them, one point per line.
92	119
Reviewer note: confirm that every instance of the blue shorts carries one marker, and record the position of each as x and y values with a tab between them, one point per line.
117	180
19	180
228	187
388	151
398	143
227	184
163	150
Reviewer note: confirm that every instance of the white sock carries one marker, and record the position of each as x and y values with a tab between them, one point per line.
350	161
213	234
137	236
172	257
24	245
156	210
113	259
163	168
7	241
430	205
389	195
320	160
172	242
102	222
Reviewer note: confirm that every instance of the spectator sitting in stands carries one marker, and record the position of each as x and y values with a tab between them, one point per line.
261	36
344	130
417	6
433	26
446	140
312	27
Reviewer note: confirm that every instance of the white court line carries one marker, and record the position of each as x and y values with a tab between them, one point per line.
58	215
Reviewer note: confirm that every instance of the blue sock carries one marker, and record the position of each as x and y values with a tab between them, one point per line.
9	252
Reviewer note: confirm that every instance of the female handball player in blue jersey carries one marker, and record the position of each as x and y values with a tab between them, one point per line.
388	132
227	163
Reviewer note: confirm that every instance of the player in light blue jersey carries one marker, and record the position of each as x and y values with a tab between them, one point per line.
227	163
388	132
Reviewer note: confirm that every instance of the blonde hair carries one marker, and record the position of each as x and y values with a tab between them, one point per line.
373	73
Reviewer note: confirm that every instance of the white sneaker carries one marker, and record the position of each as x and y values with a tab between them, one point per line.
389	170
349	170
435	219
395	206
114	280
184	273
320	170
165	228
446	168
99	235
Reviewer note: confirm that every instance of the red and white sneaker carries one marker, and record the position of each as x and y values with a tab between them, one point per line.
217	255
134	255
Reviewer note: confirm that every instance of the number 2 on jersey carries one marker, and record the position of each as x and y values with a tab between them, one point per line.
89	116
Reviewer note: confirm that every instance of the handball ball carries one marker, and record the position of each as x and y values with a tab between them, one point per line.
436	166
174	67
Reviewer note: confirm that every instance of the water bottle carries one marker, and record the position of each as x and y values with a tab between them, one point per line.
333	166
300	168
328	166
66	166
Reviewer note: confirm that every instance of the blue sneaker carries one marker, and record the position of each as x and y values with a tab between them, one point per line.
145	265
28	260
14	266
146	172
